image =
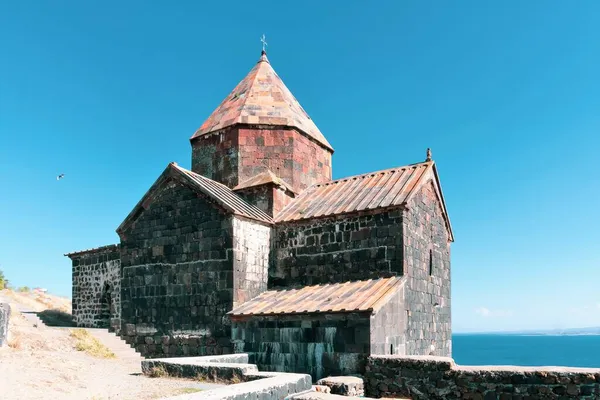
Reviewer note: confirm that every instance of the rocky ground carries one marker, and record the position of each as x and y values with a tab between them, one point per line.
42	363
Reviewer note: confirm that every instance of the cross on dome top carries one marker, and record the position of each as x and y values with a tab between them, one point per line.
264	44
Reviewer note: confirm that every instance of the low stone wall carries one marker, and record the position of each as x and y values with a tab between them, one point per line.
4	319
245	380
426	377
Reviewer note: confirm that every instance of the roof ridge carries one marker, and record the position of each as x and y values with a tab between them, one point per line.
262	215
94	249
221	195
272	176
359	193
364	175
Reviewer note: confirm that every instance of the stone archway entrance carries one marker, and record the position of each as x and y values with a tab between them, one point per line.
105	306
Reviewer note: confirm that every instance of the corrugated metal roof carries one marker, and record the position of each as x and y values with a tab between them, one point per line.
380	189
338	297
110	247
261	98
224	196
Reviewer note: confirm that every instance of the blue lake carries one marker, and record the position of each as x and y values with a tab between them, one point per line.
525	350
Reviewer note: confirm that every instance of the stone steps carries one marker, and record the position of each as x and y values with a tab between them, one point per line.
32	317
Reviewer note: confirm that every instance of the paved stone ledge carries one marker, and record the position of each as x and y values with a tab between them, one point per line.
245	381
312	395
198	367
429	377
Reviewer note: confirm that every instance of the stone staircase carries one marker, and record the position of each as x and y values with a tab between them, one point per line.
109	339
117	345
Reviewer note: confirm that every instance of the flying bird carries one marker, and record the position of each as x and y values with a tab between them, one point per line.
58	178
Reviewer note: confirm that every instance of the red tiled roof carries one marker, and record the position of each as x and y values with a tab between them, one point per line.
219	193
262	98
338	297
380	189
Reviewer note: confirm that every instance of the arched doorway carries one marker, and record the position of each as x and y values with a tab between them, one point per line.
105	306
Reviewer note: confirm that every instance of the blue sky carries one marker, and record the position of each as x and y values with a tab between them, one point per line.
505	93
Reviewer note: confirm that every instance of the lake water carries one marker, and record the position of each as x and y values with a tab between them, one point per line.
525	350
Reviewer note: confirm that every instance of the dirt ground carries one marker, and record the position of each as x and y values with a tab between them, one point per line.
42	363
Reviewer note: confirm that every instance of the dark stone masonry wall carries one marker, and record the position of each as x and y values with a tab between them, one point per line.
434	378
178	276
316	344
260	196
427	265
268	197
388	325
97	288
215	156
251	259
333	250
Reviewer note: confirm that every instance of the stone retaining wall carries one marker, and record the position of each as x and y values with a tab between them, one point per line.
4	319
245	381
428	377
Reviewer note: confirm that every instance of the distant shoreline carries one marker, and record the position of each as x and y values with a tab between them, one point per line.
522	334
594	331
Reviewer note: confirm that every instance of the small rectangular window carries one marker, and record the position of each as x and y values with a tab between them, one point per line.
430	262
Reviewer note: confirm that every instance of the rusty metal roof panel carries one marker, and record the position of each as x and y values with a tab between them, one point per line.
379	189
225	196
339	297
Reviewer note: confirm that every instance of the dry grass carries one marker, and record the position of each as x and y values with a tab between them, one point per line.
14	341
87	343
157	371
188	390
202	377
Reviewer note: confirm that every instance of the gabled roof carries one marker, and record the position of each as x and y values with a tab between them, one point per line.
264	178
381	189
101	249
217	192
337	297
262	98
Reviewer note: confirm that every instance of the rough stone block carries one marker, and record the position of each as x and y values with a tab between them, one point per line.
344	385
4	320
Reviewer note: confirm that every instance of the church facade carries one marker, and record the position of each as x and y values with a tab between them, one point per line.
257	250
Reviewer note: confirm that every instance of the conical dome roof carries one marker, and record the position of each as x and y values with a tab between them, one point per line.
262	98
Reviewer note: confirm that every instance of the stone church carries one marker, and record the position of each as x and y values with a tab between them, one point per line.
257	250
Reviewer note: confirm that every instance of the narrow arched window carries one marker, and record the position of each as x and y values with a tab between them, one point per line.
430	262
